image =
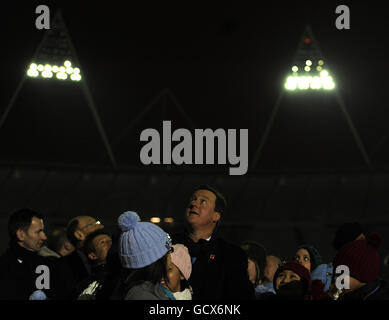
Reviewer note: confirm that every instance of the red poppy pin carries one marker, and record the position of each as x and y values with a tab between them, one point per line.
212	256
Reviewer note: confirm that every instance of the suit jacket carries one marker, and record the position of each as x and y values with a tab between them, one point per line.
219	269
18	275
76	268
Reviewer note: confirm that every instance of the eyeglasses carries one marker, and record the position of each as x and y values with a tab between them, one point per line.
90	224
168	243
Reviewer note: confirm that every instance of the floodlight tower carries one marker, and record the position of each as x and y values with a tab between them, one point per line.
56	59
309	72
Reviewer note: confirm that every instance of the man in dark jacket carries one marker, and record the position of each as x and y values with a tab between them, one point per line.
22	270
77	262
96	248
219	269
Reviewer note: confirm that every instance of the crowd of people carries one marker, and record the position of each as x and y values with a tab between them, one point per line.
83	261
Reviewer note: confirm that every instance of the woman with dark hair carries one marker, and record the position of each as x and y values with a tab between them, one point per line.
308	256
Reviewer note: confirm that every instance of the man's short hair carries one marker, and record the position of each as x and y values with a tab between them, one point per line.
56	239
220	203
21	219
70	229
88	243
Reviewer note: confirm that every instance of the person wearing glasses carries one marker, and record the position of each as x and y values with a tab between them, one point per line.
77	263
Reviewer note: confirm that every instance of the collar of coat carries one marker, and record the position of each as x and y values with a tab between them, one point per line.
22	253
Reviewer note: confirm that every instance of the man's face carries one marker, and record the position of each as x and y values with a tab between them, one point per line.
34	237
102	243
303	258
201	209
285	277
87	225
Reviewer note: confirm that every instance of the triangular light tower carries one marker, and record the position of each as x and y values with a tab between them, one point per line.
54	58
309	73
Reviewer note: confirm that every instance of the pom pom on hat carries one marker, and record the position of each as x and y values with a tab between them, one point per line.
140	243
374	239
128	220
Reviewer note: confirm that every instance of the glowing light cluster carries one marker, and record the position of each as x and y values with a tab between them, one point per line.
311	78
61	72
155	219
158	220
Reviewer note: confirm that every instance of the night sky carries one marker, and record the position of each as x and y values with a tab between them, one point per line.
224	63
205	64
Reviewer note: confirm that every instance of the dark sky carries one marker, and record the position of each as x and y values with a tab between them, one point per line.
224	63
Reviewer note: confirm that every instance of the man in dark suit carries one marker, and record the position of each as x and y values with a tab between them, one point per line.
219	268
24	274
77	263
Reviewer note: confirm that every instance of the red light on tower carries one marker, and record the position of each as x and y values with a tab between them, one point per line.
307	40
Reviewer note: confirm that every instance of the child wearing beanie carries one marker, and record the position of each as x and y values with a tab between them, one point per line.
144	251
291	282
178	273
362	259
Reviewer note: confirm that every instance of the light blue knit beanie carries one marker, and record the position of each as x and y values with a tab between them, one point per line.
38	295
141	243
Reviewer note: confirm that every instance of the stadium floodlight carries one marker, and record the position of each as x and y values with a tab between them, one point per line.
75	77
47	71
33	73
313	77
